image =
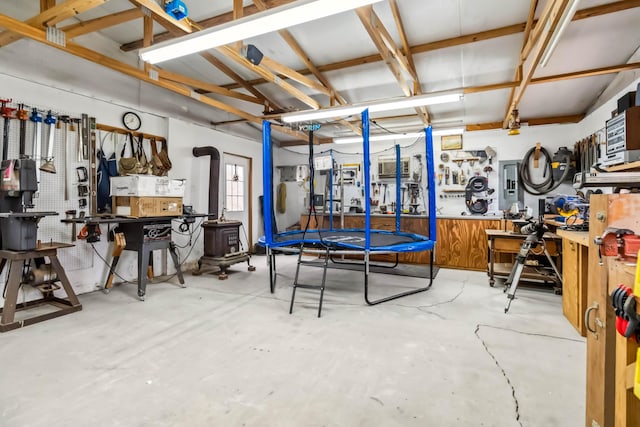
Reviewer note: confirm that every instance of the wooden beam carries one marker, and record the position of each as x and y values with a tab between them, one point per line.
587	73
268	75
299	51
466	39
394	58
268	103
97	24
207	23
39	35
554	19
52	16
371	23
575	118
537	30
205	87
537	121
238	10
283	70
46	4
406	48
162	17
147	29
517	75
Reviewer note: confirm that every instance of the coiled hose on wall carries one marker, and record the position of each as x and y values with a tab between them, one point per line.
548	184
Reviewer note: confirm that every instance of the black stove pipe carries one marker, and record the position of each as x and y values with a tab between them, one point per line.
214	176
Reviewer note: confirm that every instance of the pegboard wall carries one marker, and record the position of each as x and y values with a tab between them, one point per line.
51	187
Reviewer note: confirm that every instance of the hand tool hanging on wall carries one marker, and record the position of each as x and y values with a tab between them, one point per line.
23	116
36	152
84	129
64	122
48	165
7	114
78	138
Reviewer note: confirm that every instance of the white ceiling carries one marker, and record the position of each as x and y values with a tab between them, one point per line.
599	41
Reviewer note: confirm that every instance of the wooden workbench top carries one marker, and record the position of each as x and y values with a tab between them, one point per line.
502	233
579	237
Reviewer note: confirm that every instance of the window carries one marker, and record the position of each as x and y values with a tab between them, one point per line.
234	179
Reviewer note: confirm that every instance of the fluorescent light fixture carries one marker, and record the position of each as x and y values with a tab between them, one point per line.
381	137
374	107
449	131
395	136
567	16
269	21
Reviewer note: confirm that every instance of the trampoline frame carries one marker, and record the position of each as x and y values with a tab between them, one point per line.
272	246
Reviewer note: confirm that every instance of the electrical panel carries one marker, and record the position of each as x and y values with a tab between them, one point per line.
510	190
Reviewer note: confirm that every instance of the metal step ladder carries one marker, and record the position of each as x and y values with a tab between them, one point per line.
319	287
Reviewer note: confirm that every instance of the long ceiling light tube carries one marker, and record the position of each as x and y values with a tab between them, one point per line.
374	107
269	21
395	136
567	17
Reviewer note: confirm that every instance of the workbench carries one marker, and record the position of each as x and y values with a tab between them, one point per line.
142	235
15	261
508	242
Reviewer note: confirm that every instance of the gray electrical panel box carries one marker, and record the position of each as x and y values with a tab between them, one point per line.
510	188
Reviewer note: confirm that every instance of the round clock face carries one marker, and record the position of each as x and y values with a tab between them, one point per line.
131	120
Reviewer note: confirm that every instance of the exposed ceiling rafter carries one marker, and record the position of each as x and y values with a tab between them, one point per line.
393	57
548	26
52	16
97	24
466	39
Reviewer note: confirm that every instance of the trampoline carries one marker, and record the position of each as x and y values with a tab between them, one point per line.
355	241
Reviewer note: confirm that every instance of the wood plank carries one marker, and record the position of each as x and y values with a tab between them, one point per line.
268	75
268	103
97	24
46	4
369	20
206	87
278	68
162	17
545	37
52	16
462	243
423	112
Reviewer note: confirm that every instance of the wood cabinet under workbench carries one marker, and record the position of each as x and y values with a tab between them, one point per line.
575	273
460	242
508	243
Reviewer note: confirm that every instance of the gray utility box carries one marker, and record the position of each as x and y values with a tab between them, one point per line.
510	190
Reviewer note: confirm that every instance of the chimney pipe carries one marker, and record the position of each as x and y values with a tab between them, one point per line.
214	176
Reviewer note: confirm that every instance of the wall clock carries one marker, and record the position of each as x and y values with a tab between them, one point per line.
131	120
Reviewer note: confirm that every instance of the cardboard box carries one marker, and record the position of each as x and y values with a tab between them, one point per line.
147	206
147	186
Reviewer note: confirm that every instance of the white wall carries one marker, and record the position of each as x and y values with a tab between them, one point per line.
507	147
182	137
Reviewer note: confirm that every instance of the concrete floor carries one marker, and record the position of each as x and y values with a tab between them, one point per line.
227	353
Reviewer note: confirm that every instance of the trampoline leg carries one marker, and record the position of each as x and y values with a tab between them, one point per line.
396	296
271	259
324	278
